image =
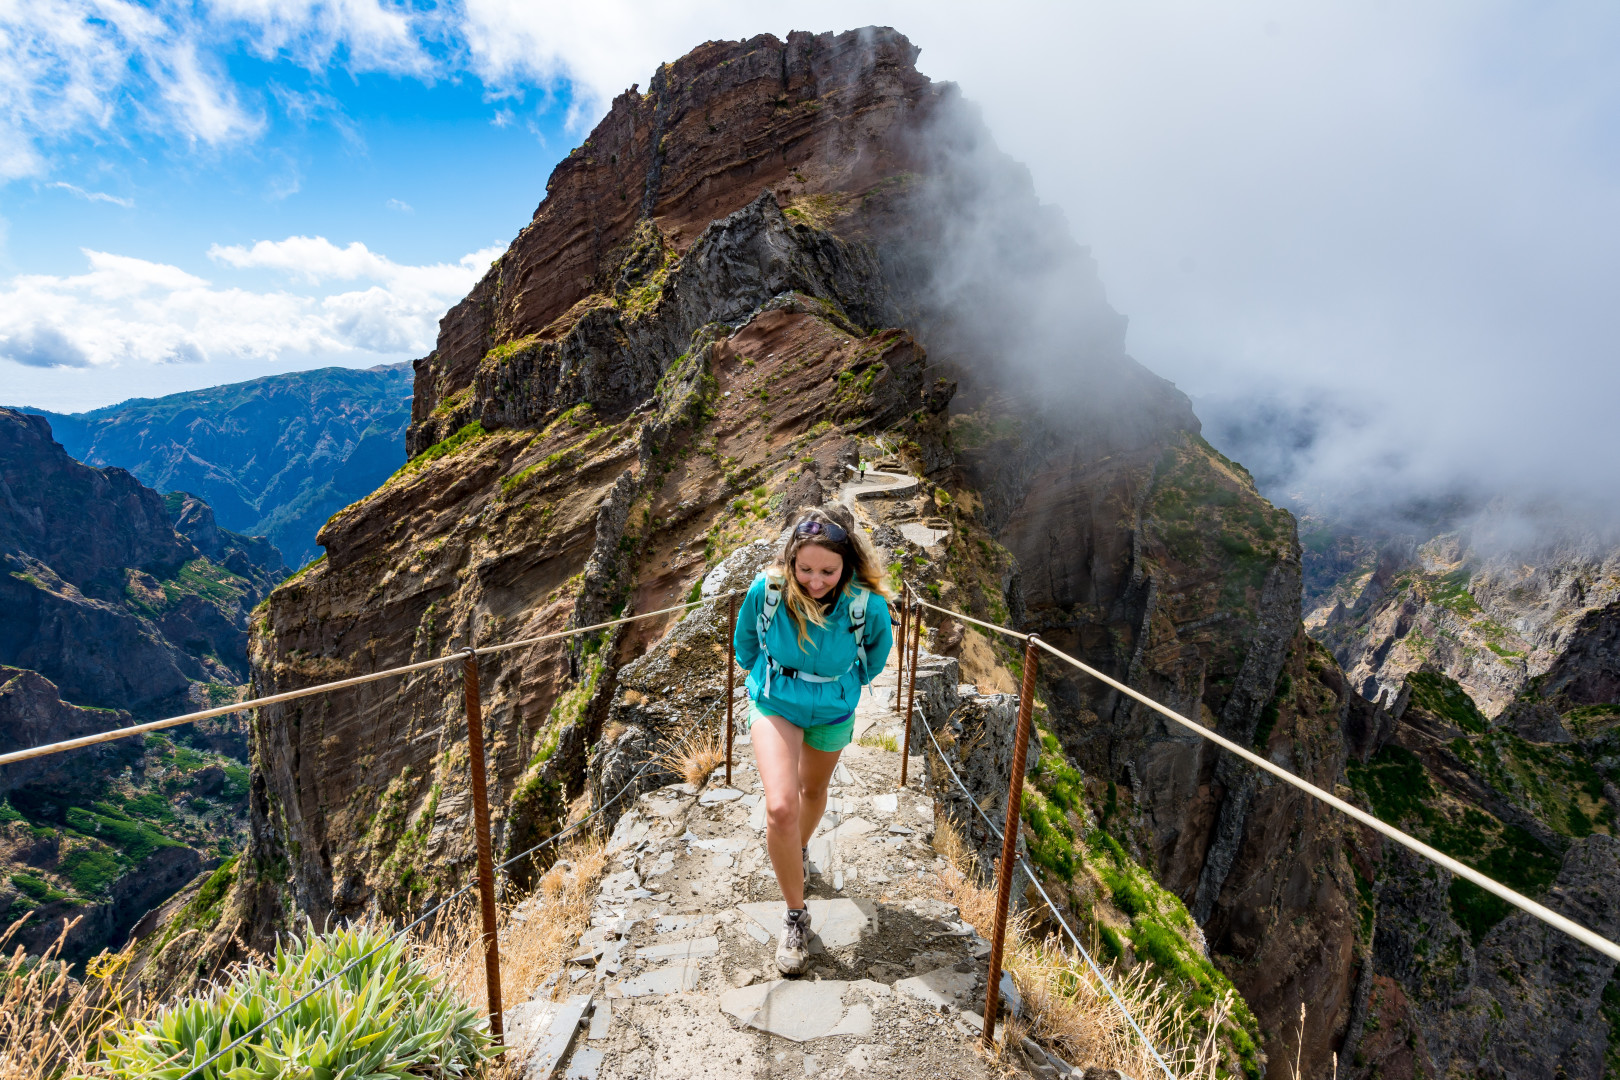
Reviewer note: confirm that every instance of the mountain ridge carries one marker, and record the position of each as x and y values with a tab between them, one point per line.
274	456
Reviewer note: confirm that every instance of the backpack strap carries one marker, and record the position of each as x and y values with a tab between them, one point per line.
857	623
774	581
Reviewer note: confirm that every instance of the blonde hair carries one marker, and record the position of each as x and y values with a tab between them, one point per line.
860	563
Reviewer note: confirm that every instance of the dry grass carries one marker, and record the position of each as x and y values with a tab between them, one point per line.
537	934
881	741
694	757
1066	1007
47	1018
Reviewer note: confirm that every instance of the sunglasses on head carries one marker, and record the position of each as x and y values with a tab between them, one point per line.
825	529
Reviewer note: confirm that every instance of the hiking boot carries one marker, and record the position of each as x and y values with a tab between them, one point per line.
793	950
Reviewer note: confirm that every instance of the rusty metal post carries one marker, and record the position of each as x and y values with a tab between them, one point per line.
731	676
486	865
900	661
1009	840
911	694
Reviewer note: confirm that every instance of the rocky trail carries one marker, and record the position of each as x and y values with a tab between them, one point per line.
676	978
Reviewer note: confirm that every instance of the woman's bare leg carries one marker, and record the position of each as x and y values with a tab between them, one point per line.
778	749
815	773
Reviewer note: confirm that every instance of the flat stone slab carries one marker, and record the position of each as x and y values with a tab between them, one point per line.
585	1065
833	923
601	1019
885	804
731	844
922	535
823	846
944	986
685	950
540	1032
798	1010
678	978
630	831
714	796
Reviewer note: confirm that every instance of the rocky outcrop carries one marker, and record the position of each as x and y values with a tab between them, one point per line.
813	116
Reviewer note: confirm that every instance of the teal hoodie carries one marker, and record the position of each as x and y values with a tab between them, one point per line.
831	651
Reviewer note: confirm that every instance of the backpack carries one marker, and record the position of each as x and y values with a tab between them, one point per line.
775	580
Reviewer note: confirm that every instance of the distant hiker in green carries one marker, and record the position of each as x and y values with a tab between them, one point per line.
864	467
805	674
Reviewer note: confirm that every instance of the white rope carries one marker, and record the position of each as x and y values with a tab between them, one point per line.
965	618
1496	888
1051	907
322	688
1545	914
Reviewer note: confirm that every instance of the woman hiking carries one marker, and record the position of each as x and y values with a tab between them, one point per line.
813	629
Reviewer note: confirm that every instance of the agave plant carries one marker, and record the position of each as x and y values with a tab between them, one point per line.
385	1016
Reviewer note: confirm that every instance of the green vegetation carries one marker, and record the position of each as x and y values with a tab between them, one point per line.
469	433
387	1016
1397	786
1051	839
1451	592
502	353
1442	696
1159	925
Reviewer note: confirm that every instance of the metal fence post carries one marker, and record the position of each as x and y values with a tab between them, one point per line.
731	676
911	694
1009	839
900	661
486	865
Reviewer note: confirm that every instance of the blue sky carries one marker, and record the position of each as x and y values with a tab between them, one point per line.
1396	227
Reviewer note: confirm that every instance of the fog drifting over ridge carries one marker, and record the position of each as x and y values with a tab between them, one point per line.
1376	245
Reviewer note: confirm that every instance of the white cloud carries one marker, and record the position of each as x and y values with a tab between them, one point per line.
125	310
71	68
92	196
401	205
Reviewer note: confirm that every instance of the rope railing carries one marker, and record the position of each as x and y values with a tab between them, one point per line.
1547	915
326	688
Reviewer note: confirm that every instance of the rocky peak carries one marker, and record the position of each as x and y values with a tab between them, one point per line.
814	114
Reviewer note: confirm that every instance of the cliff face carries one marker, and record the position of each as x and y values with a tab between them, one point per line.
1462	981
817	119
273	456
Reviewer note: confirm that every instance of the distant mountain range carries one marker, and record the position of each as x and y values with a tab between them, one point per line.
273	457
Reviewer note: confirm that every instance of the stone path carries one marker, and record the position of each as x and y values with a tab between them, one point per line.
886	485
676	977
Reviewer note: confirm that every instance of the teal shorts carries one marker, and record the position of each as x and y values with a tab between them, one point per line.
828	738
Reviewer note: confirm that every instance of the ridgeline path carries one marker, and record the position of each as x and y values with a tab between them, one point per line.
677	977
